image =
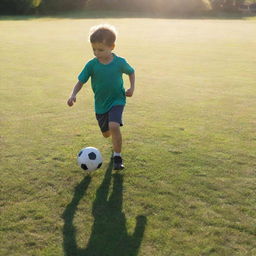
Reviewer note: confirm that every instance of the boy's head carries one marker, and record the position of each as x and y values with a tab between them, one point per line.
104	34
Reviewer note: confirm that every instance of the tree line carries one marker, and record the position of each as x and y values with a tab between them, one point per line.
149	6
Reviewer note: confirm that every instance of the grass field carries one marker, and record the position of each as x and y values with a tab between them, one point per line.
189	141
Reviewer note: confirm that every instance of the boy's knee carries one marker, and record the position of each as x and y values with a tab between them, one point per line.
106	134
114	126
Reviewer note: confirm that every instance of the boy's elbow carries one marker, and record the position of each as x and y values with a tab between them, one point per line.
80	83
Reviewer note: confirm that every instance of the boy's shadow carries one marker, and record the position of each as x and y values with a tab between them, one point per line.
109	236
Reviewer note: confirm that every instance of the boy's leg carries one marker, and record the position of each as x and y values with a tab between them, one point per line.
117	145
115	121
106	134
116	136
110	123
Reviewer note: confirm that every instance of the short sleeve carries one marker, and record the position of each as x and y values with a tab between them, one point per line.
126	68
86	73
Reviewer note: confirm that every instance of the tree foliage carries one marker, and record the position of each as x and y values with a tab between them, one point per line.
40	6
60	5
153	6
226	5
17	6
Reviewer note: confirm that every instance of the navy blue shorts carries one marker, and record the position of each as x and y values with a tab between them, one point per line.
113	115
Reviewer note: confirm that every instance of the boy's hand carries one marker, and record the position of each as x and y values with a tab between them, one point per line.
71	101
129	92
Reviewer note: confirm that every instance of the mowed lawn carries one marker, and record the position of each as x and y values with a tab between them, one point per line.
189	141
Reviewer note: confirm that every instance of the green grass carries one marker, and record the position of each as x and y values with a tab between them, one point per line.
189	141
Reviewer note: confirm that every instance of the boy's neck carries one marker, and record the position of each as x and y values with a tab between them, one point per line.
107	59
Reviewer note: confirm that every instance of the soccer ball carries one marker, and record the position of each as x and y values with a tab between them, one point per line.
89	159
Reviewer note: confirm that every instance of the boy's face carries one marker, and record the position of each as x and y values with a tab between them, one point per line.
102	51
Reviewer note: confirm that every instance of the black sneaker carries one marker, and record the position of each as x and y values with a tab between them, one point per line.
118	163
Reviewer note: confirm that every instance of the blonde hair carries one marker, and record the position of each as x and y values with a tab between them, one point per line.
103	33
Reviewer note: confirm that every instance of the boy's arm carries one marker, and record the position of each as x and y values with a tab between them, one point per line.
76	89
130	91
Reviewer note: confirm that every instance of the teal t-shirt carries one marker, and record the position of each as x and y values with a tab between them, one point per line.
107	82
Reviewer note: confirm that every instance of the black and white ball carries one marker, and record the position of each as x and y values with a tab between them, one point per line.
89	159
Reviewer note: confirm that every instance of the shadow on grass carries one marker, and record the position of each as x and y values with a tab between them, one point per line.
115	14
109	236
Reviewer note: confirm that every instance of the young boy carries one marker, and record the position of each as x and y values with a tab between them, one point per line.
105	71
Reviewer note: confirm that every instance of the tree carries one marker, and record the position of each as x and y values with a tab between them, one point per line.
226	5
39	6
18	6
52	6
